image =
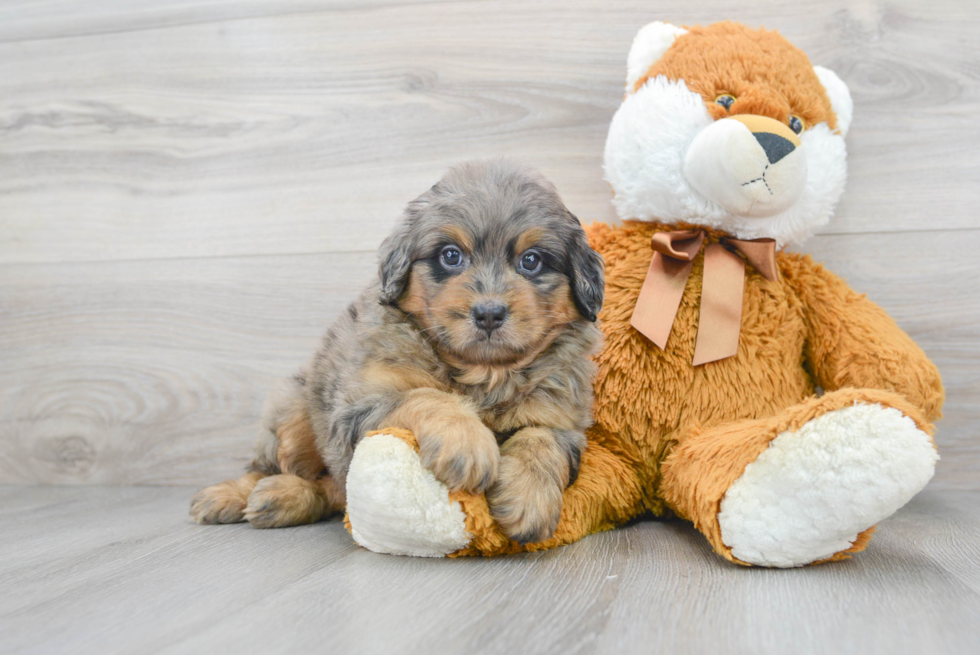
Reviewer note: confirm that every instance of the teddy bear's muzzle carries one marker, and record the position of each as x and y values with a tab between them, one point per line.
749	165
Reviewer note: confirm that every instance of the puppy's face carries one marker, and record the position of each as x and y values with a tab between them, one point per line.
492	294
496	265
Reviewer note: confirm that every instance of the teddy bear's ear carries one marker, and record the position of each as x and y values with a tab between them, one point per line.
650	44
840	97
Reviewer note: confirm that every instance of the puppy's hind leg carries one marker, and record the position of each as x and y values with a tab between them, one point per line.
224	502
283	434
279	501
303	492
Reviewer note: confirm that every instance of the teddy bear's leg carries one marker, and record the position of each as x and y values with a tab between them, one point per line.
395	505
806	485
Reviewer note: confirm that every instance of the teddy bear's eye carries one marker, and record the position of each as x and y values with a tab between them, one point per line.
796	124
725	100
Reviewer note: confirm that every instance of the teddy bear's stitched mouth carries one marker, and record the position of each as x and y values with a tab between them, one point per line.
763	179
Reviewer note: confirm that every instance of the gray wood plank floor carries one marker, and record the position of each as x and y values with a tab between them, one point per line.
191	191
122	570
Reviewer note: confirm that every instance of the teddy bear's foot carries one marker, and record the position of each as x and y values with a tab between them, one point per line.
395	505
811	493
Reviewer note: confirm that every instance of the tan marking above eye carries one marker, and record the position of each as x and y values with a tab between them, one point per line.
527	239
458	236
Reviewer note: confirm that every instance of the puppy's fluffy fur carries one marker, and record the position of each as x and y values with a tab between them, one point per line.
476	336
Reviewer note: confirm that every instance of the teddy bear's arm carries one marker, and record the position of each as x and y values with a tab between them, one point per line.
852	342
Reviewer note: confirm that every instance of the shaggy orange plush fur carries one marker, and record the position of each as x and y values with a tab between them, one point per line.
725	58
672	437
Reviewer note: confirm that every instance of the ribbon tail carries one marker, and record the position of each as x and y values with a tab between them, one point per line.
721	305
660	296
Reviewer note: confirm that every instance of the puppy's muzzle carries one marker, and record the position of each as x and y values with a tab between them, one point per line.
489	315
749	165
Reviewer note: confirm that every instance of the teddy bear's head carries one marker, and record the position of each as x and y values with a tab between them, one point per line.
731	128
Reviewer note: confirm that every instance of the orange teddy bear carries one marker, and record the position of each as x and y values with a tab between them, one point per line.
729	145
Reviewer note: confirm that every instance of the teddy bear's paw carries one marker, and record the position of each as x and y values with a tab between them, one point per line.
813	491
395	505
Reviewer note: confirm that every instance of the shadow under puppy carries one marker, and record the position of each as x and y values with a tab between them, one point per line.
477	337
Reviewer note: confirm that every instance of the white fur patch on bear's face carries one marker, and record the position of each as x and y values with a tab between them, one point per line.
727	164
648	141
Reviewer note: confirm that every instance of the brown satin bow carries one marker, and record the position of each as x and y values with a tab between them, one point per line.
721	294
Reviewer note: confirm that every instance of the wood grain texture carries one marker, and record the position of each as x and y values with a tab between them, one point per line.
155	372
122	570
32	20
180	129
927	282
191	191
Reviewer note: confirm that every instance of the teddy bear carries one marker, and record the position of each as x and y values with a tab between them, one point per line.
741	387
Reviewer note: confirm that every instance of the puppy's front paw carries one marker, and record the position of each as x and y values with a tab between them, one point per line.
525	505
463	454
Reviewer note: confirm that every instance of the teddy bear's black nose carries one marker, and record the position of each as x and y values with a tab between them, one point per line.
775	146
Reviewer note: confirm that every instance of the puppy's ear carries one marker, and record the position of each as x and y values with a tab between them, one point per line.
397	251
588	280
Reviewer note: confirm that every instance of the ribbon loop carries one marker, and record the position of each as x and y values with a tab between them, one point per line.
761	253
683	245
721	294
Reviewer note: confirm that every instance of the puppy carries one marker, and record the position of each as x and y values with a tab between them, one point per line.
477	336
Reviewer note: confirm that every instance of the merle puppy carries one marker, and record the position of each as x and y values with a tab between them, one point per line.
477	336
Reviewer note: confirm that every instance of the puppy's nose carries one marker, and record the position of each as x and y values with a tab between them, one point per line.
489	316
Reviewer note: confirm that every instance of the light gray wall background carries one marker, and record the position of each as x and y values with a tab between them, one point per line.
191	191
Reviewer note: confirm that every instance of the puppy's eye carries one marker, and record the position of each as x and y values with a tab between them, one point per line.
796	124
726	100
530	262
451	256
